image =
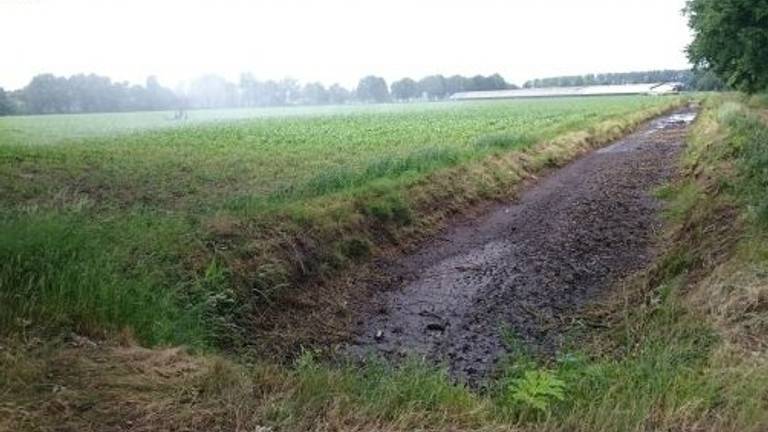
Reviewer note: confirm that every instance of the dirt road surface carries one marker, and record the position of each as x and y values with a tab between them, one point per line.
525	266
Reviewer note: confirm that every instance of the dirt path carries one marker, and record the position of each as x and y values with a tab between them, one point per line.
526	265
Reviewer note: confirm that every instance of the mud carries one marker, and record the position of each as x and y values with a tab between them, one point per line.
527	267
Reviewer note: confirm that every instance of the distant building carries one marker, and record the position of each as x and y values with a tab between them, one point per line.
602	90
668	88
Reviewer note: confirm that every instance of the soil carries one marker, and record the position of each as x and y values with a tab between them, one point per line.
526	268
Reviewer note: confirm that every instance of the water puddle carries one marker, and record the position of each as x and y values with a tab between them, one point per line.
677	120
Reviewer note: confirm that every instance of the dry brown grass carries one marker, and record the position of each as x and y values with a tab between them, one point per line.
85	386
82	386
735	297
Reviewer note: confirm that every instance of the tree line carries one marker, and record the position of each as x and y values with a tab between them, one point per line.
691	80
50	94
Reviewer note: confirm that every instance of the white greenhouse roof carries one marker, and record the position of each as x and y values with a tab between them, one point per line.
627	89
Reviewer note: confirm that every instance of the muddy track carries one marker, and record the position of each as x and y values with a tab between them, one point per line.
526	266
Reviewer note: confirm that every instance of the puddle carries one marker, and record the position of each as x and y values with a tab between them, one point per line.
676	120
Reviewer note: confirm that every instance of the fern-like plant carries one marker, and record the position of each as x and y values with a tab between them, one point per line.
538	389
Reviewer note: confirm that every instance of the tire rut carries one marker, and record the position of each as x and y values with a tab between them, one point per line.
526	265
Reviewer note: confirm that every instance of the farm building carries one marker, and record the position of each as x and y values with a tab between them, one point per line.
603	90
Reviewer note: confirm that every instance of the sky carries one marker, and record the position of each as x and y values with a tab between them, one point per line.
337	40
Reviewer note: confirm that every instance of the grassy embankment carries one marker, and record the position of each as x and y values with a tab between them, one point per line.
686	347
184	233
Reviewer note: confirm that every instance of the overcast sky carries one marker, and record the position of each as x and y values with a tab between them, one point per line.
337	40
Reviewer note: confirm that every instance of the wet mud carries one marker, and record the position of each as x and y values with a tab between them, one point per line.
525	267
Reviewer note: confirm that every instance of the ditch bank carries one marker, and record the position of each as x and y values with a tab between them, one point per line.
525	268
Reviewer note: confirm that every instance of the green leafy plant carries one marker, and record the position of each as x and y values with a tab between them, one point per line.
537	389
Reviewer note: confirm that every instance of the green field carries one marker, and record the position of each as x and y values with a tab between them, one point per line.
221	157
136	221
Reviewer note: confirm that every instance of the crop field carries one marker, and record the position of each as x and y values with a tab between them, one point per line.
220	157
135	221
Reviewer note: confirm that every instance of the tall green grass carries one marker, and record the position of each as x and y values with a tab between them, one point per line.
749	140
97	275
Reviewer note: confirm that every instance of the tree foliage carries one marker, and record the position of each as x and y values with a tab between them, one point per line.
700	80
706	81
372	89
644	77
212	91
314	94
731	39
49	94
405	89
6	105
267	93
434	86
338	95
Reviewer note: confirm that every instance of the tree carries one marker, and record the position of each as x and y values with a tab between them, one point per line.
457	83
434	86
315	94
290	91
212	91
497	82
338	95
94	93
47	94
270	94
159	97
731	39
707	81
405	89
6	104
492	82
372	89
